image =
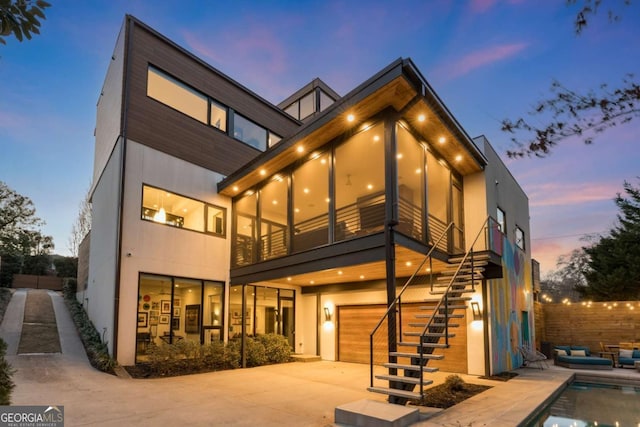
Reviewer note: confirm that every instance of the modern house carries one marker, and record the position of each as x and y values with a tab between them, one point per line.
217	214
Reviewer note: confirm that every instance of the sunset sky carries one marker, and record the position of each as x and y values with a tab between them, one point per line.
487	59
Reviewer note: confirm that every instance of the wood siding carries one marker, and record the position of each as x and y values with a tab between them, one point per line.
577	324
156	125
355	323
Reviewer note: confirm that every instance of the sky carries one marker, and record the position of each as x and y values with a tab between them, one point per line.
487	60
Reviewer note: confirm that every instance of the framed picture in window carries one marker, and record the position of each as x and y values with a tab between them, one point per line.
176	302
176	311
143	319
164	319
175	323
165	306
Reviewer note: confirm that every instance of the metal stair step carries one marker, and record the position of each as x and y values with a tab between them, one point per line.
433	325
439	316
452	298
447	278
428	334
449	307
416	355
394	392
424	344
410	367
462	291
401	379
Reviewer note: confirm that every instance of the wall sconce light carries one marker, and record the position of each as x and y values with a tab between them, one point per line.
475	309
327	314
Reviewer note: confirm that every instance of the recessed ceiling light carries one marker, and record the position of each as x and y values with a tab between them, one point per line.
235	188
312	281
362	276
370	187
263	172
399	156
421	118
305	191
376	138
442	140
408	263
351	117
418	171
289	279
275	202
459	158
300	149
340	272
297	210
323	161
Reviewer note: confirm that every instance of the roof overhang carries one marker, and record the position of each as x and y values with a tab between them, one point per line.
399	86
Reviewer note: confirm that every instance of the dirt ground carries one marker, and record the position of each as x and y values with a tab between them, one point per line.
39	330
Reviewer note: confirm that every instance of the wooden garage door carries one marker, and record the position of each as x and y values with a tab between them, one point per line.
355	323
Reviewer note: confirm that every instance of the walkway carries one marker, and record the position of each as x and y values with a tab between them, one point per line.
292	394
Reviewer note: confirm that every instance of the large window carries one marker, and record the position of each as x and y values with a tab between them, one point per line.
245	229
311	203
177	95
273	218
163	207
172	309
172	92
359	184
250	133
438	195
410	158
501	220
266	311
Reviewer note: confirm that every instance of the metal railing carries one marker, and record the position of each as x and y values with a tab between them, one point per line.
398	299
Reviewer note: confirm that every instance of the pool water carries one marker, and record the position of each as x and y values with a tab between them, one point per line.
584	404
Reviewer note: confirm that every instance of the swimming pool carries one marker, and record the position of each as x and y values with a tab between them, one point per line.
587	404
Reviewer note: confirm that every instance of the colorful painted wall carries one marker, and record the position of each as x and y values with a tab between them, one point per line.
510	300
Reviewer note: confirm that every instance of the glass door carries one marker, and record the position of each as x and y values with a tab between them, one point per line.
287	322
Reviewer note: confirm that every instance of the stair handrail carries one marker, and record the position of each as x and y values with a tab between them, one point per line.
398	297
445	298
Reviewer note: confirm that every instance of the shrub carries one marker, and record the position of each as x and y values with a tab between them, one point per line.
277	348
454	383
6	383
256	353
97	351
69	289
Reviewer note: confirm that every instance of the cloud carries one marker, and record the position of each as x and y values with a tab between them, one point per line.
554	194
483	58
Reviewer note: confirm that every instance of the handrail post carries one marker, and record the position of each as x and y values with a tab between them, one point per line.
446	318
371	360
399	308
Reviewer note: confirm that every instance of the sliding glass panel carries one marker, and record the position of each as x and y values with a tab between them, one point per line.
176	94
411	169
273	219
154	313
212	315
235	311
359	184
245	232
266	310
187	310
438	190
310	204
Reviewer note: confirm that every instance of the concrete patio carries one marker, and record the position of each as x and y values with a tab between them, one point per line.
300	394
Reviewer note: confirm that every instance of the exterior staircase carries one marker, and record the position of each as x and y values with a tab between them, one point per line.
428	331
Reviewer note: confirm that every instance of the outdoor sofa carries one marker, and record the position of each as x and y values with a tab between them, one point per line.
628	357
579	357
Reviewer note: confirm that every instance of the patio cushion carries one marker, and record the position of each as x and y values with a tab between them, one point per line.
636	354
566	348
587	351
583	360
626	353
575	352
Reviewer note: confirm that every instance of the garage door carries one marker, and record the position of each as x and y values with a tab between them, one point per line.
355	323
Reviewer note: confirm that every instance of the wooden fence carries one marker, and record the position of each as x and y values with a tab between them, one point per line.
588	325
37	282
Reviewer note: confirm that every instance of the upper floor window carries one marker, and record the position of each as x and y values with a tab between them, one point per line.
172	92
312	102
501	219
171	209
176	94
520	238
250	133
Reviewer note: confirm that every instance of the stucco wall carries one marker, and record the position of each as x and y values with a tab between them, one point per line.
98	298
154	248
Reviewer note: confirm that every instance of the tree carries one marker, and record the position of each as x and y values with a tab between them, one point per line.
571	113
81	226
20	237
614	262
21	18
